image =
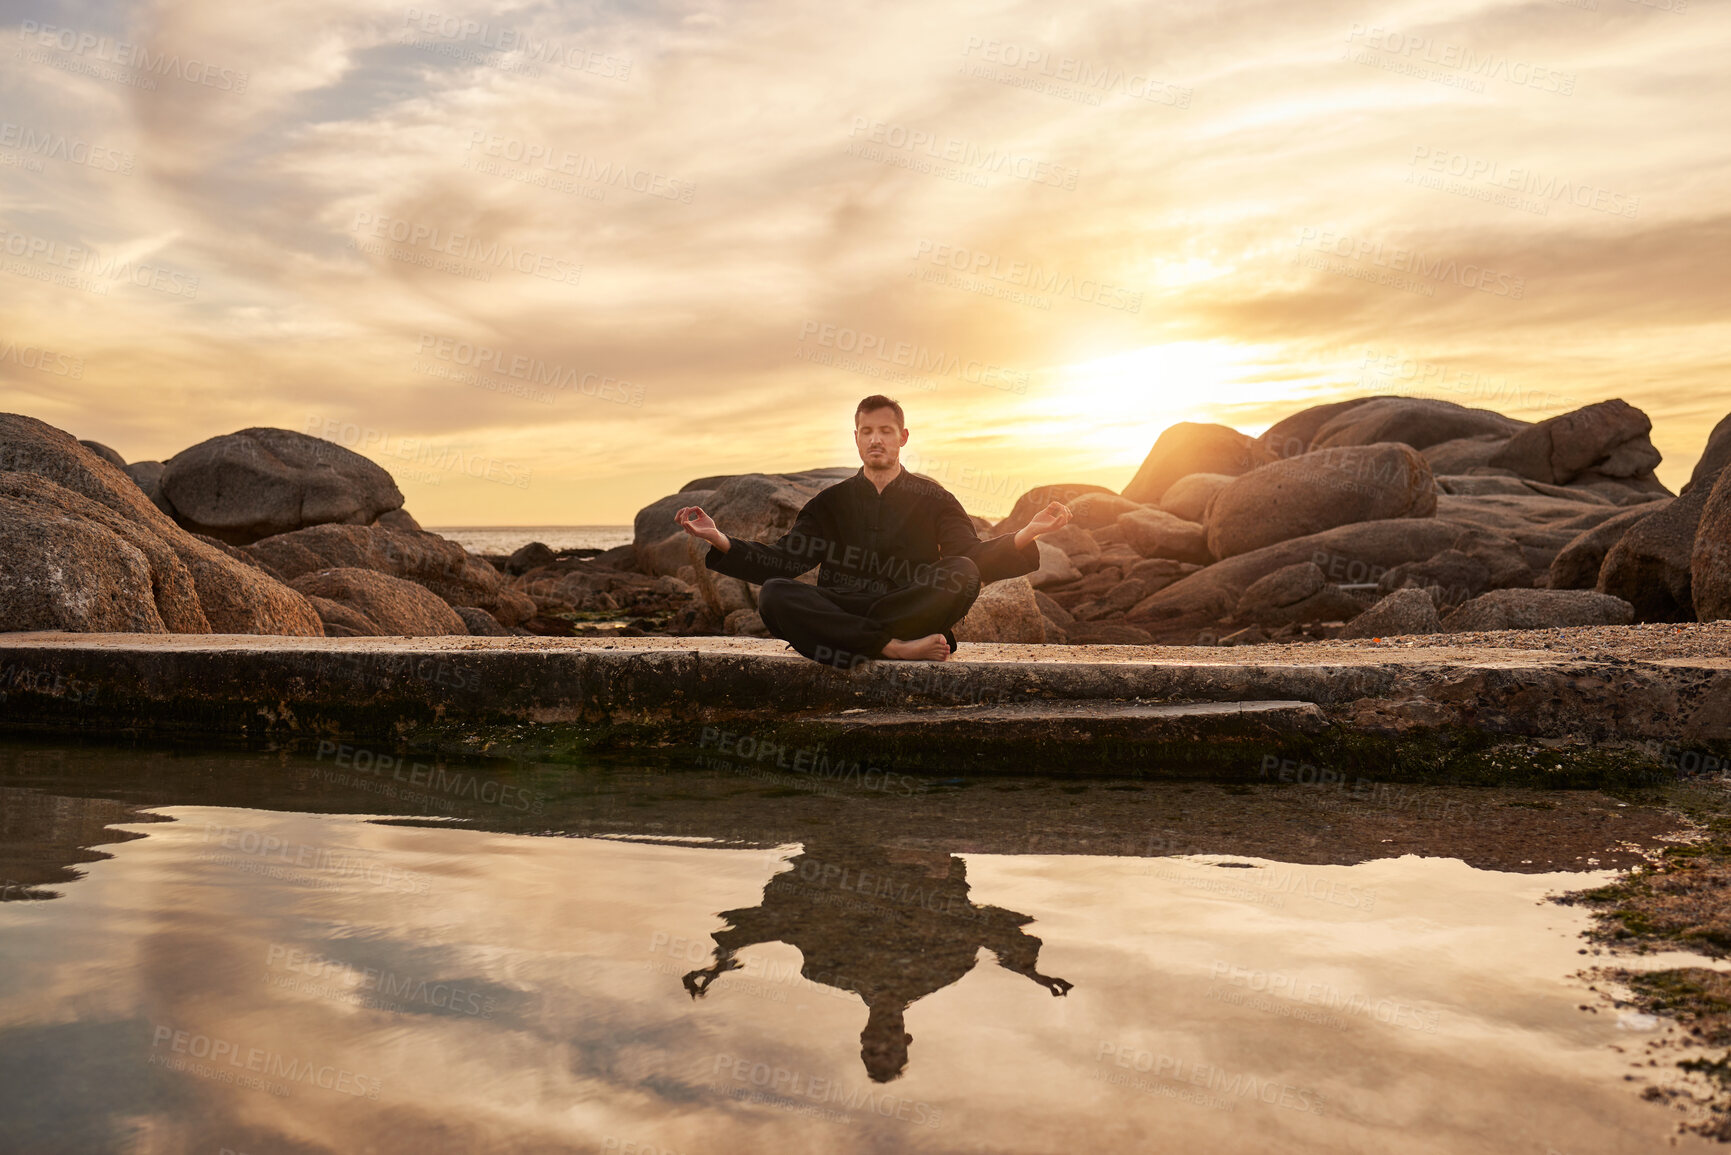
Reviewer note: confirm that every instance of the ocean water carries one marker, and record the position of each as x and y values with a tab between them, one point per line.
510	538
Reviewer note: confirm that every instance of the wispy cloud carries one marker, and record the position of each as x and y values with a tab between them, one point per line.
1140	214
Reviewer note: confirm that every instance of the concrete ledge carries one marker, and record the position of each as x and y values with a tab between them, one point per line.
1079	706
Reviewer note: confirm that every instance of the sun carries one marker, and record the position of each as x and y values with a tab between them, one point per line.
1113	407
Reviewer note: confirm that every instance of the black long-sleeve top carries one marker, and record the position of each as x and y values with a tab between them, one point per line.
871	543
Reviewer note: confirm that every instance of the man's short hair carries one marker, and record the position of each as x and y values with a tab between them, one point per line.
879	401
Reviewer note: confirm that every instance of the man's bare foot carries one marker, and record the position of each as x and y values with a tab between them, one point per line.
931	648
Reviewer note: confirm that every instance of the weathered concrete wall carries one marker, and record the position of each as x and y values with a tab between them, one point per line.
1024	707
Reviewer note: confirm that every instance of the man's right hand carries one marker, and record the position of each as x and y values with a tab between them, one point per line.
700	525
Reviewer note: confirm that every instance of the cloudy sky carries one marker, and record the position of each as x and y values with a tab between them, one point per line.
548	261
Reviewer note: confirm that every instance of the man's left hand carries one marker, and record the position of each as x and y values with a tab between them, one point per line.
1055	516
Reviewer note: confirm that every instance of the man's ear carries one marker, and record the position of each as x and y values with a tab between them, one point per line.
904	440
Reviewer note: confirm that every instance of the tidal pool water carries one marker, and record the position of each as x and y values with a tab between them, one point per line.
342	952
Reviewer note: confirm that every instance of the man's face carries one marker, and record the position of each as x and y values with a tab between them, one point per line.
879	437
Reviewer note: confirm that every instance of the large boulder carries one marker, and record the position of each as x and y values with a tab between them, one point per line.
341	620
743	623
441	565
1300	496
1113	601
1650	565
1039	498
1348	553
398	519
1503	483
1538	610
1710	559
1714	457
753	506
1609	437
657	549
1187	498
1159	572
1156	533
528	557
1077	543
1056	568
73	564
1405	611
481	624
1577	564
1635	490
1464	454
1294	594
1098	510
1541	523
1291	436
258	482
1190	447
227	596
1053	612
1286	585
1416	421
1449	578
390	607
1005	611
148	476
109	455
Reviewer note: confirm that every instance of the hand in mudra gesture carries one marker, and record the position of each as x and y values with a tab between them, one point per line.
1055	516
698	524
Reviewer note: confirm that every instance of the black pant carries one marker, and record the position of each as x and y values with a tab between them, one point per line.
844	629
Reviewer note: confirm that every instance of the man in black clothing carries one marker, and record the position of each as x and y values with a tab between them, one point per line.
900	561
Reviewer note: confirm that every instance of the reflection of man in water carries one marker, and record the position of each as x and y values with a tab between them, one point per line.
889	925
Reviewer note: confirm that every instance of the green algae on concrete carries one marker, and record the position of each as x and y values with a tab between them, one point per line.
1679	900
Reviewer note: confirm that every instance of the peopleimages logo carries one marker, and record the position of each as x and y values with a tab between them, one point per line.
1087	74
135	56
1416	264
966	154
918	358
40	359
270	1064
437	241
581	166
1466	66
1230	1084
525	367
489	37
49	145
1428	162
89	269
1024	275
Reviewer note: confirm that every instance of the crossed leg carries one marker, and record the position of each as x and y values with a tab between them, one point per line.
911	623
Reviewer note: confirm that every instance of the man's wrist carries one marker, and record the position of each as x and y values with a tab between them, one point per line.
721	542
1023	537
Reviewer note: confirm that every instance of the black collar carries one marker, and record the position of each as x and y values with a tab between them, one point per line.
894	481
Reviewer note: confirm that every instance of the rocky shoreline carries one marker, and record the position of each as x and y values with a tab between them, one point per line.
1374	517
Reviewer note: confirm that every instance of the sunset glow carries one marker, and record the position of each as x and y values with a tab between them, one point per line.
602	249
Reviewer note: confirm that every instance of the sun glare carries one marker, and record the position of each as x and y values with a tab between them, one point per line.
1113	407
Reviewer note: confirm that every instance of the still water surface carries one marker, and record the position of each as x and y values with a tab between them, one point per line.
268	953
